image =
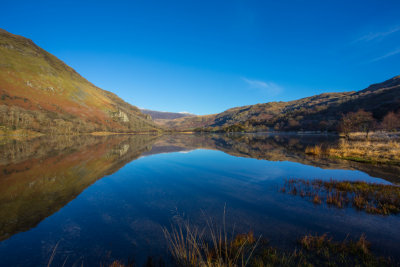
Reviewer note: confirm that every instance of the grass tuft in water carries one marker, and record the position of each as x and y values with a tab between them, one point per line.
321	250
369	197
209	246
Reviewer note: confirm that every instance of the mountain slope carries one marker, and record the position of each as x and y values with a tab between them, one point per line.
320	112
39	92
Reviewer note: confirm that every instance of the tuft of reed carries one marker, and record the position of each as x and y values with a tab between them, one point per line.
316	199
314	150
210	246
117	264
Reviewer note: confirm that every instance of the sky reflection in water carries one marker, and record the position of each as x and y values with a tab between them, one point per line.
110	196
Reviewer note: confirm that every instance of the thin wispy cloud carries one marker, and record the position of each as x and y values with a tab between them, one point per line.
377	35
392	53
269	88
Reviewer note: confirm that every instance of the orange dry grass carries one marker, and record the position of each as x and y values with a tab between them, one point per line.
367	151
209	247
314	150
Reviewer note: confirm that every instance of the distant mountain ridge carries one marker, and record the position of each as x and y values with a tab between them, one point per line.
316	113
39	92
165	115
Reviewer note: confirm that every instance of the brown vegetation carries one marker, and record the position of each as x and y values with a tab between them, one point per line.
210	246
387	152
321	250
191	246
391	121
369	197
313	250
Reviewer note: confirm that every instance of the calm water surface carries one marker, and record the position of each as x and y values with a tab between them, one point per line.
106	198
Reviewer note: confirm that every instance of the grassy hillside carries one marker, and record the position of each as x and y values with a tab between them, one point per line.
41	93
320	112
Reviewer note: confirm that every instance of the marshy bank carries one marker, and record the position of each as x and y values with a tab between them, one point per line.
213	245
373	150
369	197
191	246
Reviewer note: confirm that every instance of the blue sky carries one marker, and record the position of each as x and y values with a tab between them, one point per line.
207	56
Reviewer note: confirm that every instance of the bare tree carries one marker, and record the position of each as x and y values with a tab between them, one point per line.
391	121
365	122
360	121
346	124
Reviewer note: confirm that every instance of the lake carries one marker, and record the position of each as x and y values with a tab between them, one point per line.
101	198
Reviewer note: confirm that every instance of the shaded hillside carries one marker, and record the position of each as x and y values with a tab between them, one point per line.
29	193
39	92
320	112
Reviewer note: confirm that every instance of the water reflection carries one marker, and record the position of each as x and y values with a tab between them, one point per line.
281	147
41	176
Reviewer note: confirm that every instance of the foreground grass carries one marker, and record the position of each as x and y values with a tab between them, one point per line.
212	246
312	250
189	249
369	197
387	152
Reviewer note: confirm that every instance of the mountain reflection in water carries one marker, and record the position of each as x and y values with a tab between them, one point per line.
41	176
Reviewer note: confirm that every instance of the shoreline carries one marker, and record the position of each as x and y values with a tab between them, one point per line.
379	148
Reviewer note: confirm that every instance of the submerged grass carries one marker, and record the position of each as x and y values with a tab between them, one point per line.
321	250
369	197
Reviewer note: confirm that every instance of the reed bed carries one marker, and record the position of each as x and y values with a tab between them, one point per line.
369	197
321	250
387	152
191	246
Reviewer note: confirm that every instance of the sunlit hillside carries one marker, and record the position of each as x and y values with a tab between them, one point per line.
39	92
321	112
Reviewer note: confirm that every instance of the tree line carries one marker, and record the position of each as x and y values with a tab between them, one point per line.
364	121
